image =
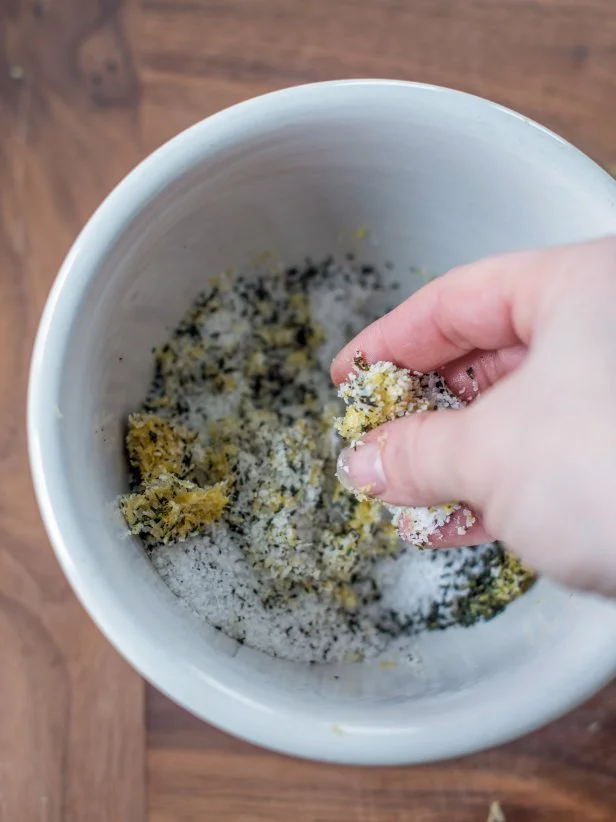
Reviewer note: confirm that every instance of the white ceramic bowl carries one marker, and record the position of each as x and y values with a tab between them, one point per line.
440	178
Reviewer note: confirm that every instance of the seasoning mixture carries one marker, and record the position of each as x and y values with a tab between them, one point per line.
382	392
233	487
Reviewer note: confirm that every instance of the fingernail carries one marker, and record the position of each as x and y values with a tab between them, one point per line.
361	469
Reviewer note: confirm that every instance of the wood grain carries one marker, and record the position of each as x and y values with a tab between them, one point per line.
563	773
87	88
553	60
71	711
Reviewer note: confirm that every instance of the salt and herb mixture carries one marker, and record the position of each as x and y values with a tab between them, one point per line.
233	487
382	392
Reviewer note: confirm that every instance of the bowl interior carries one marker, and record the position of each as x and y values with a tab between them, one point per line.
438	179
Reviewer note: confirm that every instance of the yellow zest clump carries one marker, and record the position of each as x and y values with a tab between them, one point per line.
354	423
157	446
171	509
487	598
278	335
298	360
347	598
216	462
375	395
514	578
169	506
256	364
366	514
300	305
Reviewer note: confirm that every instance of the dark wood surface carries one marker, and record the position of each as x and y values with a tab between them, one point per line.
87	88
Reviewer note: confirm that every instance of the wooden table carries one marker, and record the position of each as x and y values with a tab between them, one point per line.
87	88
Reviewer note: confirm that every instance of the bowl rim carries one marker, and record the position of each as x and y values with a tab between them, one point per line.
227	709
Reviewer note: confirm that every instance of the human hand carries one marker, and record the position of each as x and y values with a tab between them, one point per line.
534	455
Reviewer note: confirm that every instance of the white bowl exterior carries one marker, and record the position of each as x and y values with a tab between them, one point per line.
439	178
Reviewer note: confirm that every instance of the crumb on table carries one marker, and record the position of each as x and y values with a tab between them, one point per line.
496	813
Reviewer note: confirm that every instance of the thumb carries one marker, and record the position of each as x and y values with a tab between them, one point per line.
423	459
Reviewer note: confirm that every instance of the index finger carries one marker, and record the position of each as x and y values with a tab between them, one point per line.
487	305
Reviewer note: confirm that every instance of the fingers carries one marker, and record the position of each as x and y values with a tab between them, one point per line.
454	534
418	460
476	372
488	305
381	466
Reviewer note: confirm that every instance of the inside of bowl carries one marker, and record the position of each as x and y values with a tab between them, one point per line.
435	185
